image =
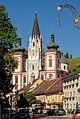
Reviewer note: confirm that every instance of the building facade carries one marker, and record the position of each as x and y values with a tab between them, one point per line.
47	65
71	89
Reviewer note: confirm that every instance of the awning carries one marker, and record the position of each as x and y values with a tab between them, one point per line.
55	103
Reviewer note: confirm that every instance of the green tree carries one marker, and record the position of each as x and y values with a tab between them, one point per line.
70	56
22	102
67	55
8	42
31	98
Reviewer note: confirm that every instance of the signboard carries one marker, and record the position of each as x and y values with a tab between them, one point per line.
78	90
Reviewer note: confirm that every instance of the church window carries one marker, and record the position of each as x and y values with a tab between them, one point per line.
58	62
50	56
50	62
64	67
42	76
24	79
17	59
32	77
24	64
33	44
32	67
16	79
50	76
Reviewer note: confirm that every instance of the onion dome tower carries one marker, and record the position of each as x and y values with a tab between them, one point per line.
52	45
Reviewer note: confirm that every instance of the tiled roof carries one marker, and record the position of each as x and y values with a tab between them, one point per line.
48	86
58	86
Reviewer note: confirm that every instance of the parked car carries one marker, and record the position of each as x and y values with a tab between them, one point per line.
23	114
76	114
50	112
37	108
61	112
45	110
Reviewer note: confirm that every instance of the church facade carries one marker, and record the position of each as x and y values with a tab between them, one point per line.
47	65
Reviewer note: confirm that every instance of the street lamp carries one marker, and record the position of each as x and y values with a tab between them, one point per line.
76	16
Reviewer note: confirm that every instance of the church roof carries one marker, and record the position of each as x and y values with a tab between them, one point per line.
35	30
52	45
63	59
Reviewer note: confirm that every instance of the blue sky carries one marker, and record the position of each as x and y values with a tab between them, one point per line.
21	13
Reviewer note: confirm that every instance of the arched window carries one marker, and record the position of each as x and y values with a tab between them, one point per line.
33	44
58	63
24	79
16	79
42	76
32	77
32	67
50	62
16	82
50	76
17	59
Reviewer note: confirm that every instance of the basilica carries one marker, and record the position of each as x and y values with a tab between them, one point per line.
37	63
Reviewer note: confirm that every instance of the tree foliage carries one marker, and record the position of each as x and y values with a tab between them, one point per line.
70	56
31	98
22	102
74	64
67	55
8	41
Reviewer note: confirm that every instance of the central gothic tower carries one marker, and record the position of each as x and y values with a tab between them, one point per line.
34	52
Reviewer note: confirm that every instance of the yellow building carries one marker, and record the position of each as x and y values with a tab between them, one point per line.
50	93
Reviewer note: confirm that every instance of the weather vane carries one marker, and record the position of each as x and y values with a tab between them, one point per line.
76	16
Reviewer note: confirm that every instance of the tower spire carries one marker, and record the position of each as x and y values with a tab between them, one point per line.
35	30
